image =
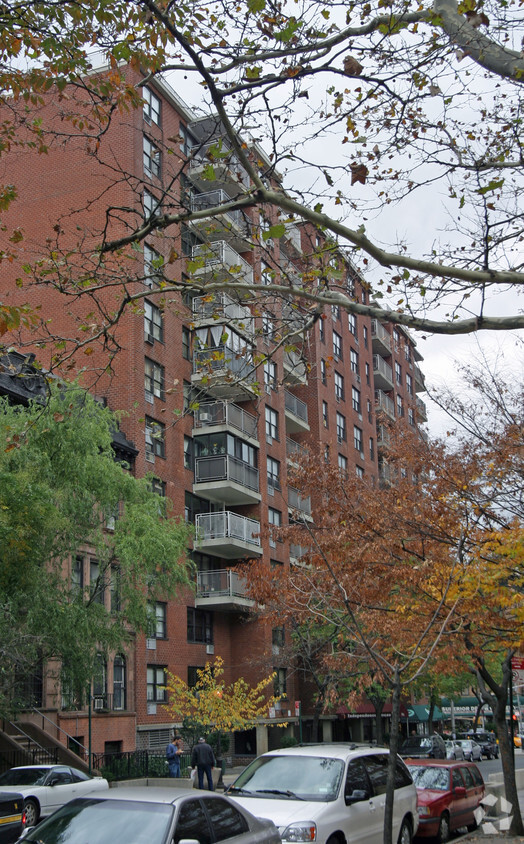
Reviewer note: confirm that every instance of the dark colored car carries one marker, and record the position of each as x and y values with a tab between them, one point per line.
11	816
152	815
449	795
423	747
487	741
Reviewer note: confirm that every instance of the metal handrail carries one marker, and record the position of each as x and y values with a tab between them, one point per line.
59	729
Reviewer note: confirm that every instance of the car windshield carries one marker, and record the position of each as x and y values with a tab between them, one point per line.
24	776
434	778
417	741
315	778
104	822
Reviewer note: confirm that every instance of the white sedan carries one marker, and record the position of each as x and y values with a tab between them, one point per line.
47	787
472	750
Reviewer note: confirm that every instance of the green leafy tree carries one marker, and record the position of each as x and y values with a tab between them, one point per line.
60	489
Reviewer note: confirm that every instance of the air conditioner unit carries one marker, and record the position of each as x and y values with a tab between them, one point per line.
150	397
151	644
357	378
210	649
98	703
150	458
151	708
276	650
149	338
205	417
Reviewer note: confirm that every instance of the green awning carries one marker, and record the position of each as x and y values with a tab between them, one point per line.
420	712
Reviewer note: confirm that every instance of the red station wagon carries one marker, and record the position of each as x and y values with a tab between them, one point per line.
448	793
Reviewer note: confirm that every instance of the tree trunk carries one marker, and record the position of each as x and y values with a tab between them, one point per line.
393	750
508	764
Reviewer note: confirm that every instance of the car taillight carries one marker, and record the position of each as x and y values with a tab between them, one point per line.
23	818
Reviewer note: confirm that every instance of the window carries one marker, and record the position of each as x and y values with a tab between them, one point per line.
157	626
409	383
274	518
341	428
335	311
192	674
96	583
323	373
193	823
188	240
155	439
343	463
398	373
273	475
100	678
187	140
186	343
357	438
151	158
377	768
267	274
396	339
353	361
337	345
189	454
278	637
355	400
411	417
280	682
339	386
158	487
326	453
365	335
407	353
268	327
400	406
156	683
325	420
153	262
153	323
151	107
199	626
352	324
271	424
119	682
116	589
359	472
369	409
270	375
77	577
367	373
151	204
154	380
371	448
321	330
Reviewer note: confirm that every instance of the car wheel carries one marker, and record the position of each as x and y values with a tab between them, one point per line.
405	834
31	812
443	830
472	826
333	839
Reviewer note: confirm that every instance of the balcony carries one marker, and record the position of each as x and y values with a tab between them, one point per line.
221	261
301	507
215	163
382	373
385	474
384	403
227	535
222	589
294	320
295	452
226	479
220	308
381	340
297	553
422	415
420	381
383	437
295	370
296	414
231	225
224	372
211	417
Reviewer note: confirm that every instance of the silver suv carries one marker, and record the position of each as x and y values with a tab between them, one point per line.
334	793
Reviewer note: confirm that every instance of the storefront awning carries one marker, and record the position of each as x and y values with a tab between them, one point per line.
419	712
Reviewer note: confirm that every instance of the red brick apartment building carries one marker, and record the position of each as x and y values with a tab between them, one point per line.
225	464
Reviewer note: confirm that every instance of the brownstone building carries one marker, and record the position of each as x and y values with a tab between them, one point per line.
216	403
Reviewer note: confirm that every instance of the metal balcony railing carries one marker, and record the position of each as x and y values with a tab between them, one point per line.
223	582
420	382
226	413
221	256
214	198
295	500
295	406
379	333
421	409
380	367
219	156
383	402
298	551
218	358
223	306
295	451
223	467
227	525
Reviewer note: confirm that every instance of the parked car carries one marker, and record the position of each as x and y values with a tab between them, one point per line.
328	792
152	815
11	816
423	747
488	743
449	795
472	750
454	750
47	787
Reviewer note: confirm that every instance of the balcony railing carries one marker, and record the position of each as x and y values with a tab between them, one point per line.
296	552
226	413
383	436
382	372
420	382
421	410
294	367
227	525
218	358
383	402
380	336
296	502
295	406
220	258
212	199
223	582
222	306
218	156
223	467
295	451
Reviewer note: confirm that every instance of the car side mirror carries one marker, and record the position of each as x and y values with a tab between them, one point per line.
356	796
459	791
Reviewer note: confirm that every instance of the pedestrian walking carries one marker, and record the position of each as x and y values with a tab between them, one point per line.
203	759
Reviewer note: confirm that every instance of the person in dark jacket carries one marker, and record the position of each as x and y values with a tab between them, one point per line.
173	753
203	759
